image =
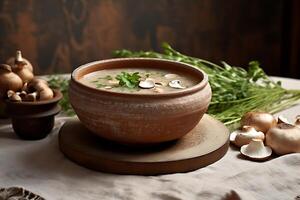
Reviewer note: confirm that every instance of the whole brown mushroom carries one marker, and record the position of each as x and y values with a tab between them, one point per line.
15	97
22	67
8	80
37	84
261	121
284	138
245	135
46	94
19	59
42	89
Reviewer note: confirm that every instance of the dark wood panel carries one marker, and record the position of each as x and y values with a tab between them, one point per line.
59	35
291	39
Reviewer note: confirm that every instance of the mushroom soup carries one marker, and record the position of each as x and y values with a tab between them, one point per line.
139	80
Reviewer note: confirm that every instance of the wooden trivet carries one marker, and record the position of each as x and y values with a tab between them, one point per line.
205	144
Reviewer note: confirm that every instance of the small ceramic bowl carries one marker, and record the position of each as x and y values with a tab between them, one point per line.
34	120
138	119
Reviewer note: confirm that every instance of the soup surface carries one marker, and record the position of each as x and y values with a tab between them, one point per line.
139	80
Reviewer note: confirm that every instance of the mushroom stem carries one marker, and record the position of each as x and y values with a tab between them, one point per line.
31	96
245	135
255	144
42	89
22	94
19	57
15	98
18	61
10	93
256	150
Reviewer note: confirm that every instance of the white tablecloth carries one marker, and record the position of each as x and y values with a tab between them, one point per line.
39	166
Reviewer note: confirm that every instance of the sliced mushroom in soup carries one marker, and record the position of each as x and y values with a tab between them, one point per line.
139	80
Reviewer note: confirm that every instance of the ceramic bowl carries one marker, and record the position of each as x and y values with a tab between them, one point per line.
139	118
33	120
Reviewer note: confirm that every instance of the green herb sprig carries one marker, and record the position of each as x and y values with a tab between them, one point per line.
128	80
235	90
62	83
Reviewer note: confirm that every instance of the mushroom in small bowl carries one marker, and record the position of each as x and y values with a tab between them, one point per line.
32	117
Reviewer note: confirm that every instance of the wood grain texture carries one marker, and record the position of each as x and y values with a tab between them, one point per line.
59	35
202	146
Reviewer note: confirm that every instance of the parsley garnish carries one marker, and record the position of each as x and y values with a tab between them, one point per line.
108	77
128	80
100	85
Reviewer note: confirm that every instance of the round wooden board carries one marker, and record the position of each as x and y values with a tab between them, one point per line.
205	144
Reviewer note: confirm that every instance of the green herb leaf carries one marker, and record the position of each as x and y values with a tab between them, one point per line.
128	80
100	85
235	91
62	83
108	77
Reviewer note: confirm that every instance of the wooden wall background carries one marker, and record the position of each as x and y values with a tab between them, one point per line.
59	35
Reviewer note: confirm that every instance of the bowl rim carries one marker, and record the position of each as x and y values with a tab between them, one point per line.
185	91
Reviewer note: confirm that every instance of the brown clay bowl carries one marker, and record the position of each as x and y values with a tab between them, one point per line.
33	120
139	118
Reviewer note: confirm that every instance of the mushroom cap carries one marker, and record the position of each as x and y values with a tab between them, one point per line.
37	84
8	80
38	80
25	74
18	58
15	97
256	150
170	76
281	119
176	84
284	139
10	93
147	84
31	97
46	94
261	121
4	68
245	136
